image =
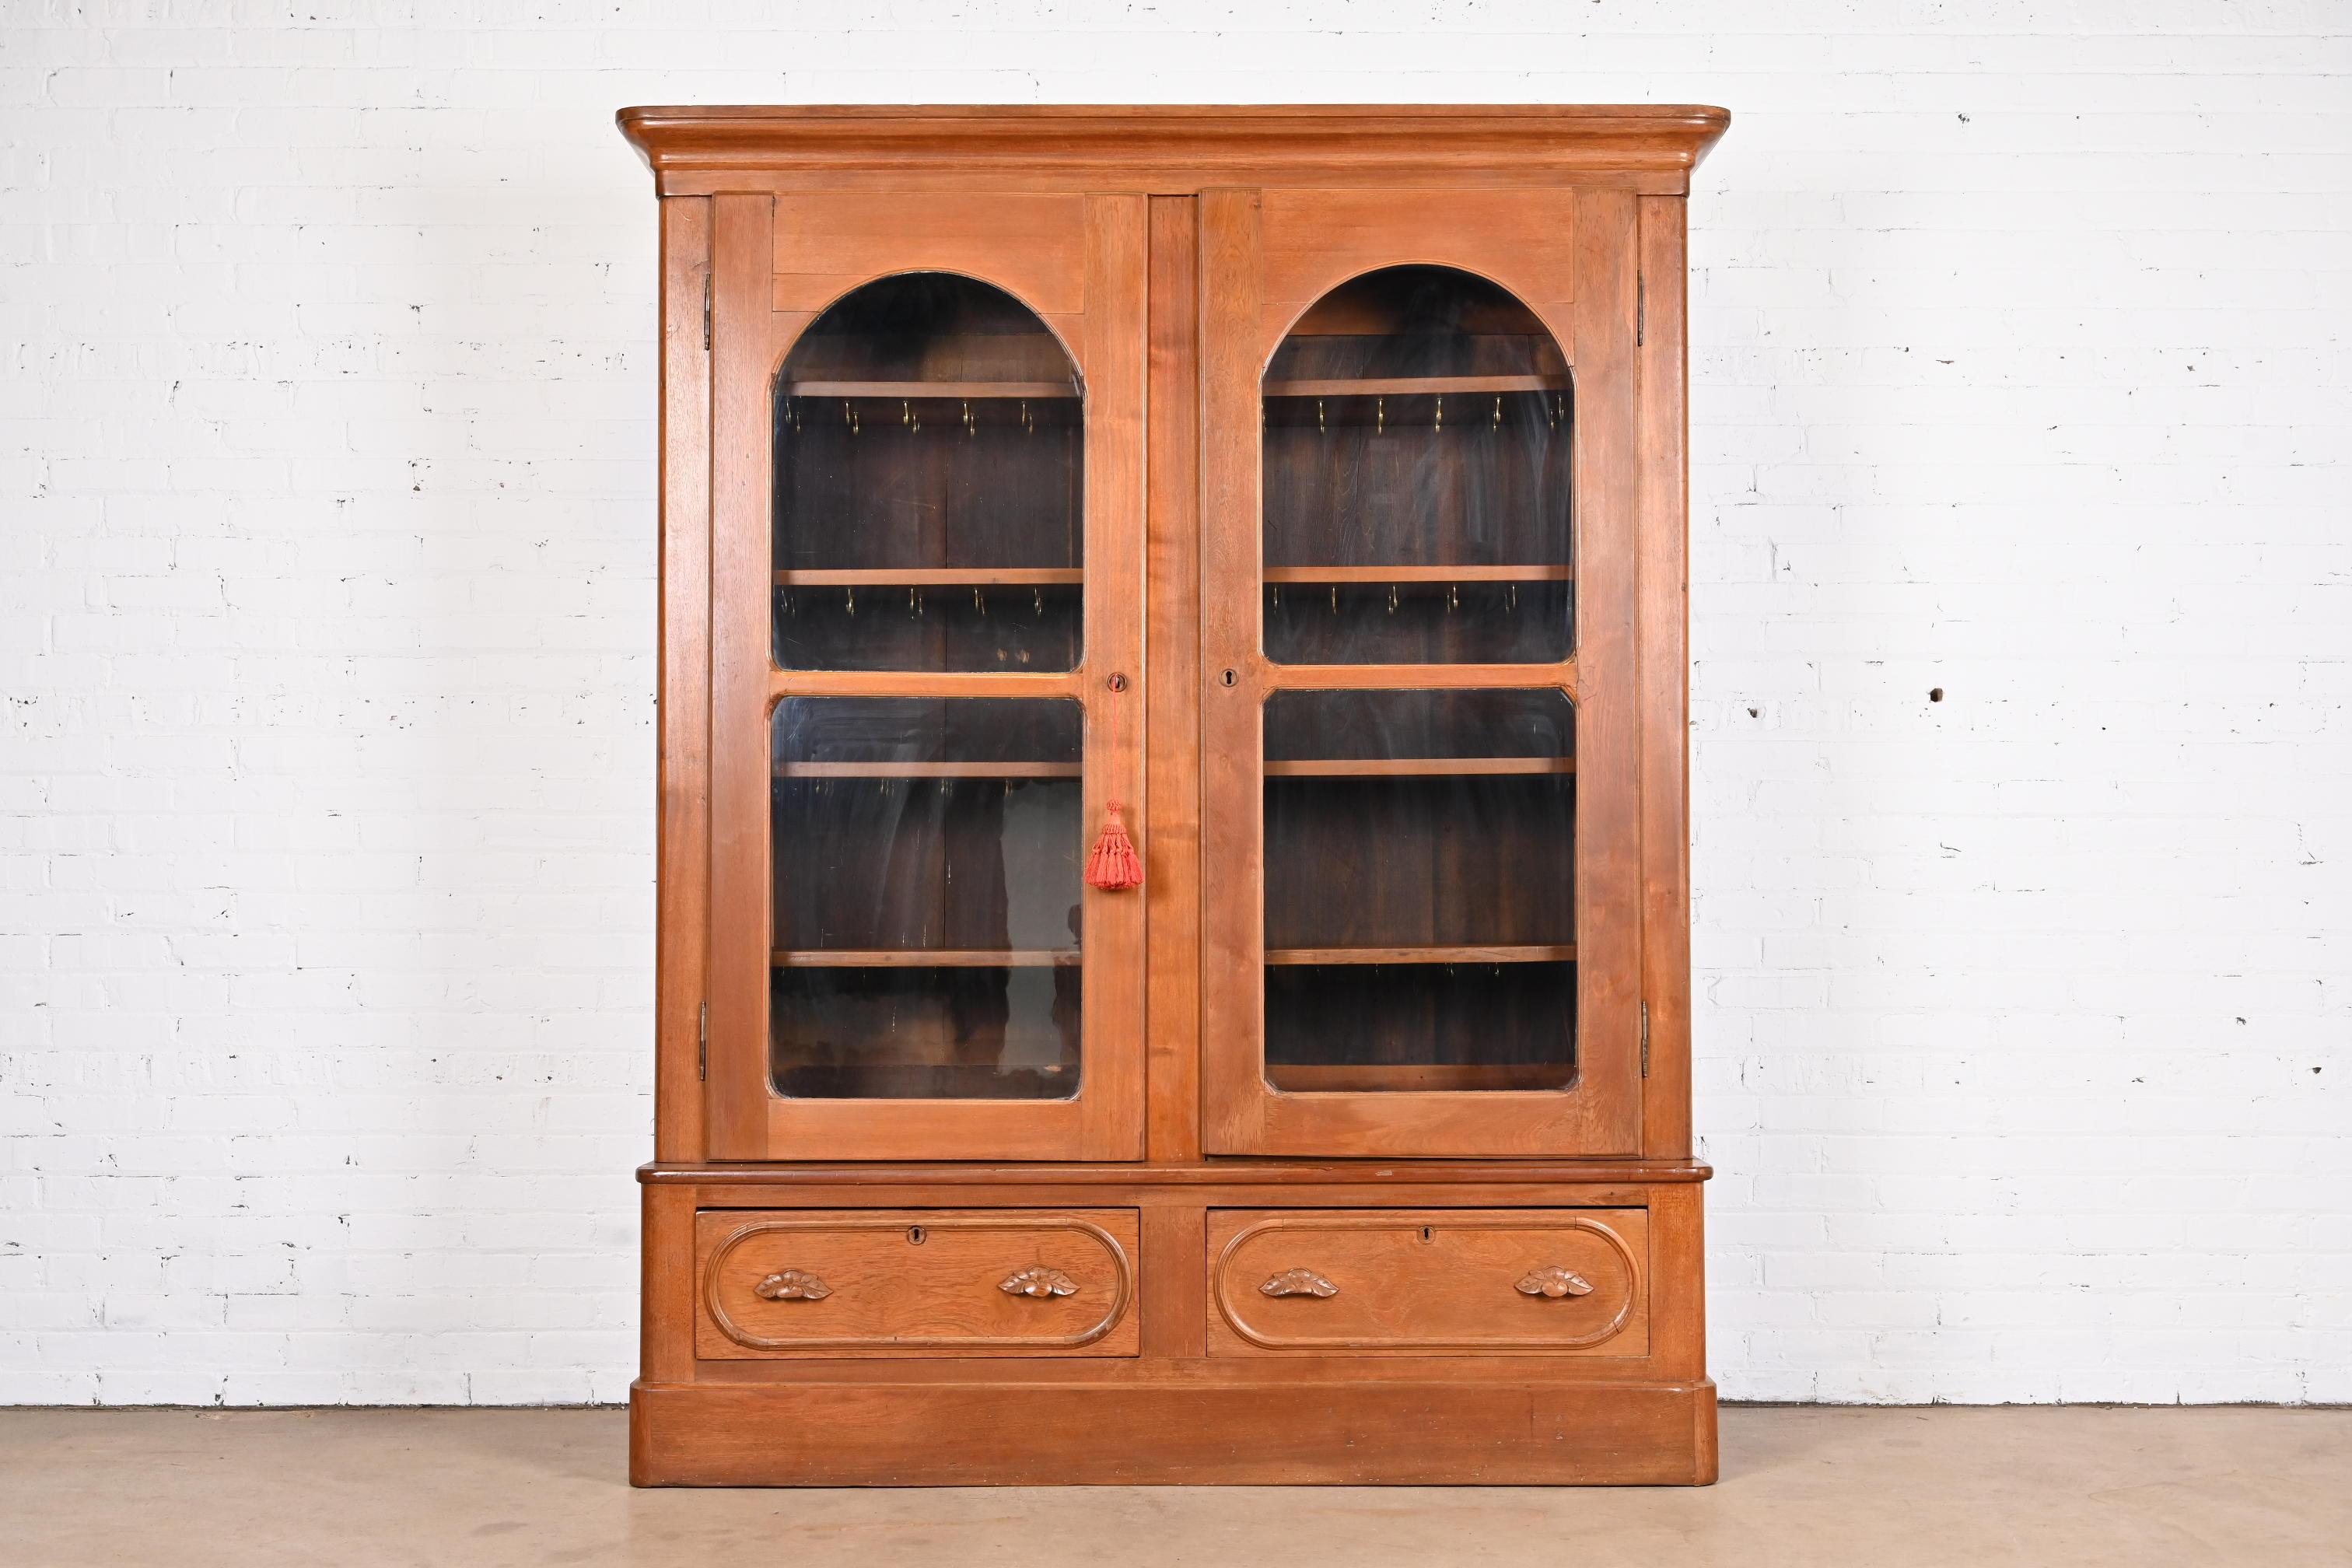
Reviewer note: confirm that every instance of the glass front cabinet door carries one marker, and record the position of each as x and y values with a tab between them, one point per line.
1418	590
927	660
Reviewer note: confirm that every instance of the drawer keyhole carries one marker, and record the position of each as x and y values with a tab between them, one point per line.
1428	1233
914	1235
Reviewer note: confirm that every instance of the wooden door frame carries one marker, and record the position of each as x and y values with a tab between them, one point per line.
1023	244
1585	290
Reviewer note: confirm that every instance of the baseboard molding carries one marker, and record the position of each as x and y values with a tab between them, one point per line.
1285	1432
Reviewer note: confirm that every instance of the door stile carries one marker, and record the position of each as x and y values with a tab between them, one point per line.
742	359
1171	883
1608	811
1233	903
1113	677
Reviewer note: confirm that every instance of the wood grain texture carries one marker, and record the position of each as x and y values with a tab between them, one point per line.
921	683
1424	955
1418	574
1415	385
906	389
1664	617
1373	1176
1394	1078
1232	929
1269	677
895	1281
682	863
1678	1281
1444	1427
927	771
745	349
933	577
1175	1236
1178	148
1418	767
1608	720
923	958
1171	881
1317	239
1417	1281
1033	247
1117	366
666	1263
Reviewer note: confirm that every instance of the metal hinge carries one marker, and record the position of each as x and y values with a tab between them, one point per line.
1641	312
702	1046
706	312
1645	1039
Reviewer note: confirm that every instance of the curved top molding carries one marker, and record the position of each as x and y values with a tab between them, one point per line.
1168	148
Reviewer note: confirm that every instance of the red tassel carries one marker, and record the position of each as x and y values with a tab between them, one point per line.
1114	864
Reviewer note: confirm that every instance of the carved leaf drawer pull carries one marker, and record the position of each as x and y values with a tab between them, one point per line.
1298	1282
791	1284
1555	1283
1039	1280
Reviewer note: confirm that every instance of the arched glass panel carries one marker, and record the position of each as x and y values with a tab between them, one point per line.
1416	482
929	485
1420	842
929	439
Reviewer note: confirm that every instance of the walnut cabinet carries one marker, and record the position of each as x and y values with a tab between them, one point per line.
1299	492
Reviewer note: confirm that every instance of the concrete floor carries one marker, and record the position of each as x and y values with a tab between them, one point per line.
479	1489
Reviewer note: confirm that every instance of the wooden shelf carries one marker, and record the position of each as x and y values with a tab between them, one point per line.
1409	387
910	389
1292	955
927	770
1415	767
922	958
931	577
1395	1077
1418	574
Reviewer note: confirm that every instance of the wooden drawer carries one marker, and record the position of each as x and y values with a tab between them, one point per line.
870	1282
1515	1280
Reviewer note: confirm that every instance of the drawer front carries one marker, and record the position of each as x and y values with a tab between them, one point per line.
1515	1281
875	1282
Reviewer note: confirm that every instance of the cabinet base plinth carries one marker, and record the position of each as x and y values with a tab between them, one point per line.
898	1434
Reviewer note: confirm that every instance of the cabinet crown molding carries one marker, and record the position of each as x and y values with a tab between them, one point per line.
1172	146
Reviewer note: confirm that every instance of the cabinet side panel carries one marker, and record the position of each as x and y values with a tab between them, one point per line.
682	908
1664	615
1171	881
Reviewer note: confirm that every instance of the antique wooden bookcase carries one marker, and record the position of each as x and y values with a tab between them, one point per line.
1306	484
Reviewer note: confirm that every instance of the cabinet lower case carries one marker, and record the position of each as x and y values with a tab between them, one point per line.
1242	1321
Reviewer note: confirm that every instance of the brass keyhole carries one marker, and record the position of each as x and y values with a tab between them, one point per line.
914	1235
1116	683
1428	1233
1230	677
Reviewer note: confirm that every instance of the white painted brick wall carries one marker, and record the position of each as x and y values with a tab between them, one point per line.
2020	344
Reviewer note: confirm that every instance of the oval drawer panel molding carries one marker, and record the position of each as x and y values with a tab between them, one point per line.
1510	1280
891	1282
